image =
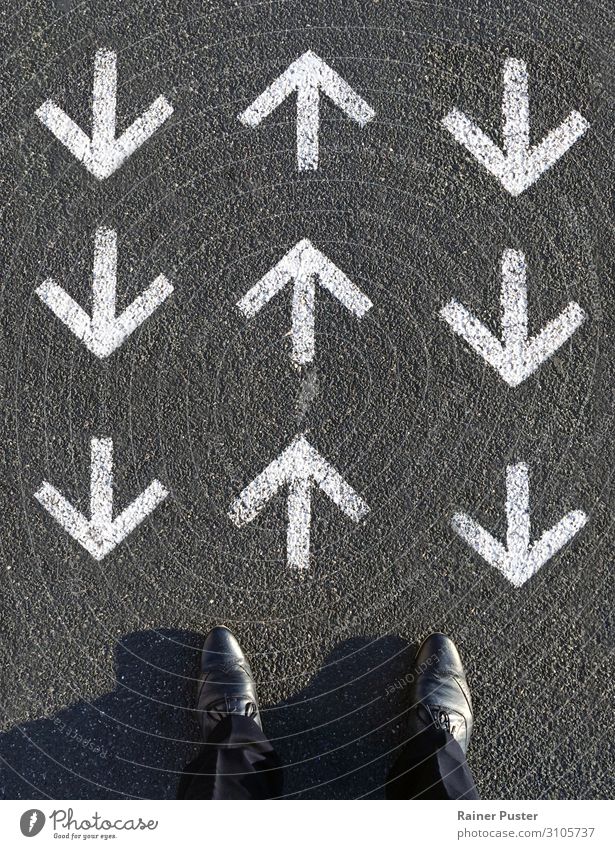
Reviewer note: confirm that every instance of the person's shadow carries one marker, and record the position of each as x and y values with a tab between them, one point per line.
337	736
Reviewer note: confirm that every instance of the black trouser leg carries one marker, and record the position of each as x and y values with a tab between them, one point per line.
237	762
432	765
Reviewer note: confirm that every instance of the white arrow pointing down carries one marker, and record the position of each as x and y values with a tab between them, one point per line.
519	559
103	153
516	357
519	164
101	533
104	331
300	467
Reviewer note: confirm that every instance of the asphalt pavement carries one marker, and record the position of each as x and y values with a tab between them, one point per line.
98	656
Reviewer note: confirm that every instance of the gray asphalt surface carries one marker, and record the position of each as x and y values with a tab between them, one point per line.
97	659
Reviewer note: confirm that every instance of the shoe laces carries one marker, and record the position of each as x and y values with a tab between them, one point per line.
236	705
439	716
225	705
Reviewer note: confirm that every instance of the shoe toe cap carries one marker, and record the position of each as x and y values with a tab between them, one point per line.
438	650
221	643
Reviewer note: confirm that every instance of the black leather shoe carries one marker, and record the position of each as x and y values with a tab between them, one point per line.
439	693
226	685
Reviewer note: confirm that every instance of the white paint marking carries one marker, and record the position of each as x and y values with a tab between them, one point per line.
299	466
101	533
308	76
520	559
304	264
516	357
104	153
104	331
519	165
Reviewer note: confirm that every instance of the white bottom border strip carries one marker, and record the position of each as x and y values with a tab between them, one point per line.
370	824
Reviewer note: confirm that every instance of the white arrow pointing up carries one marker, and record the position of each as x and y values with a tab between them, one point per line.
101	533
520	559
104	153
308	76
303	265
519	164
516	357
299	467
104	331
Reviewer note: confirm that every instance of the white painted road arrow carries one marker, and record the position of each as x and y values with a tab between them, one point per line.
516	357
104	153
101	533
303	265
519	164
300	467
520	559
104	331
308	76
